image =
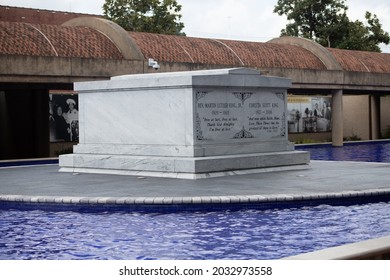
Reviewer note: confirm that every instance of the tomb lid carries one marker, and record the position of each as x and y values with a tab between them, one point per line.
225	71
230	77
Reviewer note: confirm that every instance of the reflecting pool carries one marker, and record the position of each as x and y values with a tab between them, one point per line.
366	151
244	234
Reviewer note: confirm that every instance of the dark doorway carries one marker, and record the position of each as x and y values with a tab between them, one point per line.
24	124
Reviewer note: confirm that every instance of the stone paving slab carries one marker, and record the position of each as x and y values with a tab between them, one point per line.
324	180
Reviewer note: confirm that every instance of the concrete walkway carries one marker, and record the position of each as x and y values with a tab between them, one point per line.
324	180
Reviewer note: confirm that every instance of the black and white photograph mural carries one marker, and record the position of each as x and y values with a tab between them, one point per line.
309	114
63	117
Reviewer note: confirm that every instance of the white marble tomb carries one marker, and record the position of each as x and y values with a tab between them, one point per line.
184	125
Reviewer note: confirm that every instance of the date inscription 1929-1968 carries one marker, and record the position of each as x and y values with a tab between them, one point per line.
223	115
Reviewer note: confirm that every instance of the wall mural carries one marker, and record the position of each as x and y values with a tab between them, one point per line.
309	114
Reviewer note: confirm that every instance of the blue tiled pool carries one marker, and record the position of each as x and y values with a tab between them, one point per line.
270	233
244	234
372	151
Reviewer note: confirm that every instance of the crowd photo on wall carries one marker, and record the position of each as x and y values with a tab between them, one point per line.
309	114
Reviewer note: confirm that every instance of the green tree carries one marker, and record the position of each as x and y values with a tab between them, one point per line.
154	16
326	22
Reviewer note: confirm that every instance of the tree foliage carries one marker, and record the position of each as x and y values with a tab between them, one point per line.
154	16
326	22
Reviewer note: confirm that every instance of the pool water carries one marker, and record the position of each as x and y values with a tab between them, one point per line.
244	234
366	151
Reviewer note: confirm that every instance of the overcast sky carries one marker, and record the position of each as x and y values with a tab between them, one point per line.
249	20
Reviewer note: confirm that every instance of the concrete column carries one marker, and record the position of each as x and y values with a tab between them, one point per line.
374	117
337	118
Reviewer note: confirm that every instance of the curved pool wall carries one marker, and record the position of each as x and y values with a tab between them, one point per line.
371	249
180	204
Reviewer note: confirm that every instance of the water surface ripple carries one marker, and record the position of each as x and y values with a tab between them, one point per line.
245	234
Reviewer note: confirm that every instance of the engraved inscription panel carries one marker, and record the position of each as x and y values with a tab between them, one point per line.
229	115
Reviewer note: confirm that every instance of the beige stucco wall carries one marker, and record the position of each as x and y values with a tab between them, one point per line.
356	116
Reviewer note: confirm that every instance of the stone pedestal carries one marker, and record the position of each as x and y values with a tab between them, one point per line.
186	125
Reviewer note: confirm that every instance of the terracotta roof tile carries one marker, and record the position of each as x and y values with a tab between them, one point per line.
30	38
37	16
183	49
54	40
268	55
23	39
360	61
171	48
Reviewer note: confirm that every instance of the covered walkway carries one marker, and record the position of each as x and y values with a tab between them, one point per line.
38	50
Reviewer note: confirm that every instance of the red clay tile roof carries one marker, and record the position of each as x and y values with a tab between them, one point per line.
21	34
37	16
360	61
54	40
269	55
170	48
